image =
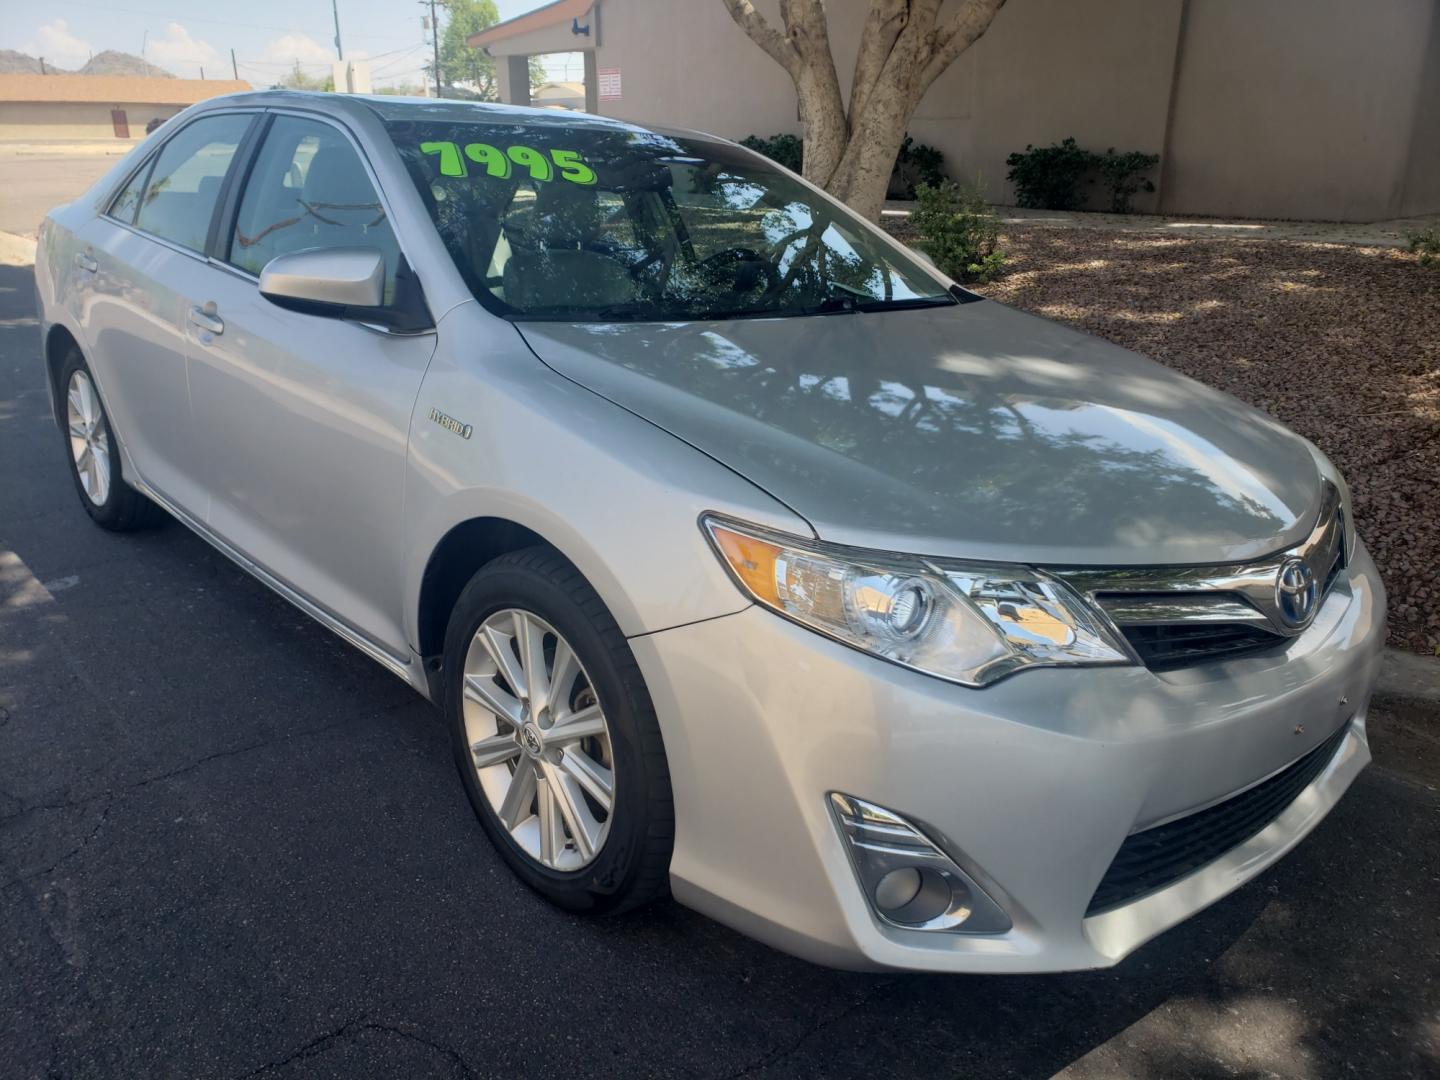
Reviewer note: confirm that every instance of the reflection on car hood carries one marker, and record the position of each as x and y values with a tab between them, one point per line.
974	431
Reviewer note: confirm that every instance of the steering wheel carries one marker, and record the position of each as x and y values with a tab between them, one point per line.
748	269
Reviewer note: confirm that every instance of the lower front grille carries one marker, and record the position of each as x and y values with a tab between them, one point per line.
1175	645
1150	860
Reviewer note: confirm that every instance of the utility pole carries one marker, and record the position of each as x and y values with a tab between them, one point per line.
435	40
234	67
335	7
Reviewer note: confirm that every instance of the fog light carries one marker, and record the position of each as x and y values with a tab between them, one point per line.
898	888
910	882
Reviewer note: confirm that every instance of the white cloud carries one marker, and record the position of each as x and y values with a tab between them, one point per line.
58	46
184	55
291	47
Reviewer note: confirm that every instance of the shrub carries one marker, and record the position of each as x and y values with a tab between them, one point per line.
785	150
916	164
1121	174
958	230
1427	245
1048	177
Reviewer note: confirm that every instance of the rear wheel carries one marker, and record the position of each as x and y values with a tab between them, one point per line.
94	457
555	736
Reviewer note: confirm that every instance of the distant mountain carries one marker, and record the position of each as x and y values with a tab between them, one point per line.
108	62
18	63
111	62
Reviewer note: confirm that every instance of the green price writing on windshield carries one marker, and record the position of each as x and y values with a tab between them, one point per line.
499	163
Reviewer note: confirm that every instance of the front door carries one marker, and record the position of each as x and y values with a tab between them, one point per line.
306	418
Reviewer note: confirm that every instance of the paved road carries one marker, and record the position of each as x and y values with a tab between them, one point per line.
31	183
231	846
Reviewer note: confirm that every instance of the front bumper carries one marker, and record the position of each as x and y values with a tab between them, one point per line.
1030	785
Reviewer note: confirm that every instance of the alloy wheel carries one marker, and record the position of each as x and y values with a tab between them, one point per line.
89	443
539	741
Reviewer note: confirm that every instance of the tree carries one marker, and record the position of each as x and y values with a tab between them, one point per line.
850	149
298	80
462	66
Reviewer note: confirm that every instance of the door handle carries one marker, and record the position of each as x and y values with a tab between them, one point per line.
84	261
206	319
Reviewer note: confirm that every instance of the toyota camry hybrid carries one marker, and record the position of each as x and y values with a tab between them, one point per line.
750	558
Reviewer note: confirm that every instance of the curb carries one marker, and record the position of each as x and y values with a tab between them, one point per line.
16	250
1409	676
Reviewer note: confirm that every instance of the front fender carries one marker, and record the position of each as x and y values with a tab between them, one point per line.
619	497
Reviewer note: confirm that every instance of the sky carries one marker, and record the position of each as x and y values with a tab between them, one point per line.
268	36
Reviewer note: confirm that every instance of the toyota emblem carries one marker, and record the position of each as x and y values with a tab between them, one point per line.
1295	592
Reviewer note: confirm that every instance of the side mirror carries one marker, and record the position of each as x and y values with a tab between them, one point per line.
326	281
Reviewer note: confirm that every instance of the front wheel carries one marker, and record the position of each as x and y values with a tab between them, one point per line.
555	736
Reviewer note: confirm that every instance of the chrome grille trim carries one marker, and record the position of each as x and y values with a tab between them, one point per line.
1235	593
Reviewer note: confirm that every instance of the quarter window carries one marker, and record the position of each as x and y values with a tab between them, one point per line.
309	189
128	201
185	184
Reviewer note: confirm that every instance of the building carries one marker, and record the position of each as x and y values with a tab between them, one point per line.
559	95
1314	109
63	107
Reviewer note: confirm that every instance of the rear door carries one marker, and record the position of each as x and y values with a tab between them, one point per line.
306	418
141	257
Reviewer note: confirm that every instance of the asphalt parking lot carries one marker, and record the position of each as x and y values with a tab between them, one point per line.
232	846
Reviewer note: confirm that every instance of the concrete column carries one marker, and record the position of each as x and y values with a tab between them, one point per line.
512	77
592	81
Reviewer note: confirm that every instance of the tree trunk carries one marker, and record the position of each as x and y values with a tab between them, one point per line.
851	151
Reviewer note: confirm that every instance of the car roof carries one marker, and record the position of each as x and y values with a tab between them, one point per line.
442	110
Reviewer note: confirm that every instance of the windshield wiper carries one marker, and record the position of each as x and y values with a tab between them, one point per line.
908	302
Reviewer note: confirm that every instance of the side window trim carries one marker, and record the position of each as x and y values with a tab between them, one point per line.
227	206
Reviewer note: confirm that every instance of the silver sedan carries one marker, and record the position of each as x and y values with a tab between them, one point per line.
750	558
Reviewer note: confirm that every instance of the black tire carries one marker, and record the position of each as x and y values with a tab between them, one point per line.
632	868
124	508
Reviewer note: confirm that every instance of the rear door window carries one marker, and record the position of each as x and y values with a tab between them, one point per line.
184	186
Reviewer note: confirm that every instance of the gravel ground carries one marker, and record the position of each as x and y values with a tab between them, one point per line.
1341	343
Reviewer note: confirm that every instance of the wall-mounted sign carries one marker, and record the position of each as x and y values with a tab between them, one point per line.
609	80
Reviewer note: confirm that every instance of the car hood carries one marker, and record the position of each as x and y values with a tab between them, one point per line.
973	430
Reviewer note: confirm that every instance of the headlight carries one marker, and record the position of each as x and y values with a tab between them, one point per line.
966	622
1347	508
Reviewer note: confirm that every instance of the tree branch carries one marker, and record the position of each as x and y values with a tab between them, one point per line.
887	18
776	45
949	41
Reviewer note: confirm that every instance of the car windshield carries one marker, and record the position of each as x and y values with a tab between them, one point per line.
589	223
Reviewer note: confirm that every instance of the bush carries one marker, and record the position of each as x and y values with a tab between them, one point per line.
958	230
1427	245
1049	177
1121	174
785	150
915	165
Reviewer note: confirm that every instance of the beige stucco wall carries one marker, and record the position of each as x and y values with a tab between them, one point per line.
1325	109
1421	194
48	120
1095	69
1298	108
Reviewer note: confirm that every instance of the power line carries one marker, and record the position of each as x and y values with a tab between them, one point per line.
187	17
